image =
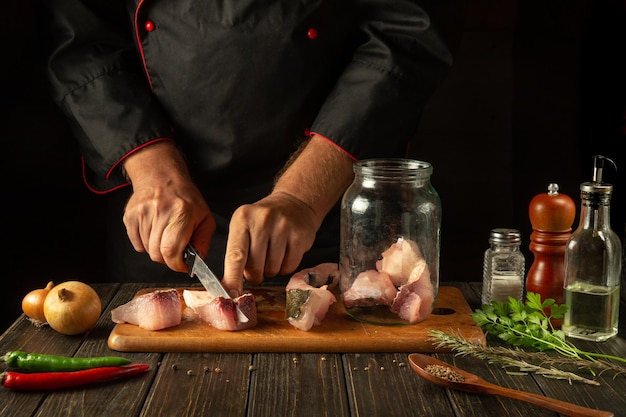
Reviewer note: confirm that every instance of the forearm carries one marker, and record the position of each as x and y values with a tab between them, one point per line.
160	162
318	176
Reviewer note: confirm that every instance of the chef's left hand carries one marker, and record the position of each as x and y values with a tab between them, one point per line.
270	236
267	238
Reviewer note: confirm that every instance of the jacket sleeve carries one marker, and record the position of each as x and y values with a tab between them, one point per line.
97	81
397	65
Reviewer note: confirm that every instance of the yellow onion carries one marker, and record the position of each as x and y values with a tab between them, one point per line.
32	304
72	307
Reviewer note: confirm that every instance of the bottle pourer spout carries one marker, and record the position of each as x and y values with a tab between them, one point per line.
598	166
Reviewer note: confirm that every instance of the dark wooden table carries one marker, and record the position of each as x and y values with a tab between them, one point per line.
284	384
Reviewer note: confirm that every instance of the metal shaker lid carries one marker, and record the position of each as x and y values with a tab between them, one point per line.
504	235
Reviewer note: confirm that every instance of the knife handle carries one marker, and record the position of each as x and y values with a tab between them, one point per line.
189	256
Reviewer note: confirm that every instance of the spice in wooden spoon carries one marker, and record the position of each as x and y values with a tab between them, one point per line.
451	377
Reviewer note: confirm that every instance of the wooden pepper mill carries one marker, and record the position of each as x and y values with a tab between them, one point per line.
551	216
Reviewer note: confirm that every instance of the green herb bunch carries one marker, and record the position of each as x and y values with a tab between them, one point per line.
529	325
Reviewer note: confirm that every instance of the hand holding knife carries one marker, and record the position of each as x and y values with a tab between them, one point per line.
209	281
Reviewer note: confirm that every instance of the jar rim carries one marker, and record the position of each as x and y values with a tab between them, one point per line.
393	167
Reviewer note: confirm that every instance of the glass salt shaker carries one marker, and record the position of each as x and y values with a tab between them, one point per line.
503	267
593	262
390	232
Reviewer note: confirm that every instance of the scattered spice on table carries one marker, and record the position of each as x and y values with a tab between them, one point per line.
444	372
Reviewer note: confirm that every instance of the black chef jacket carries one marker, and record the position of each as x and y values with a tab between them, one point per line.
237	85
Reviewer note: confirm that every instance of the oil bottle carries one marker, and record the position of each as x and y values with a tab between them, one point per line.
593	265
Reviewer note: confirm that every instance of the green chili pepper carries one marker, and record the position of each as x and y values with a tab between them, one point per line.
46	363
47	381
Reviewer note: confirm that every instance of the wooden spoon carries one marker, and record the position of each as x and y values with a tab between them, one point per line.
475	384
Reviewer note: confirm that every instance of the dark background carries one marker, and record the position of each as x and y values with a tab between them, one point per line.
537	89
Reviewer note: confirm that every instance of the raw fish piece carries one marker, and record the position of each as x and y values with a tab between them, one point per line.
399	260
414	301
308	307
247	304
221	312
370	288
421	269
196	298
308	295
153	311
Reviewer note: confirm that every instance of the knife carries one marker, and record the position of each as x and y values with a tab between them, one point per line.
209	281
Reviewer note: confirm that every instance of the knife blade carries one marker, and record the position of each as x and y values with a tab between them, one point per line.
197	267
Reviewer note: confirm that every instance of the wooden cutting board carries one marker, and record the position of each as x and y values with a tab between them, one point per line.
273	333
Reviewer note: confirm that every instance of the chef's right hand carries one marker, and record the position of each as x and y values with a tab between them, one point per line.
166	211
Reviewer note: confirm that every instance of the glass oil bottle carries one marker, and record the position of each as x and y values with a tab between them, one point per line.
593	265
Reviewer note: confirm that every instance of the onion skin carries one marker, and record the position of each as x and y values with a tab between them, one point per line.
72	308
32	304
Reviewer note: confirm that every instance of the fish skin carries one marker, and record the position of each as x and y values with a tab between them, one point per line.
309	296
313	310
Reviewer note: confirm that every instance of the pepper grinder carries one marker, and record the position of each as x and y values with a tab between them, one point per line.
551	216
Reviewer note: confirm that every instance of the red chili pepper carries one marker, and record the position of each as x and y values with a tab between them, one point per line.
47	381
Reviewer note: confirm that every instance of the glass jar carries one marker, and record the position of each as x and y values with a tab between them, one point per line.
390	242
503	267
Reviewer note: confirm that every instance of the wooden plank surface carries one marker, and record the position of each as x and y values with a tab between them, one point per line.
105	398
356	384
337	333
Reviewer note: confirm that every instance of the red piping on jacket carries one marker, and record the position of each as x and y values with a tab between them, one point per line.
145	68
115	166
354	158
93	190
143	58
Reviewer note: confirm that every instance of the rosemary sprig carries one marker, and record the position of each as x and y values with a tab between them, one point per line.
508	358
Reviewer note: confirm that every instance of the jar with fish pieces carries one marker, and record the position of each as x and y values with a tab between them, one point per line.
390	242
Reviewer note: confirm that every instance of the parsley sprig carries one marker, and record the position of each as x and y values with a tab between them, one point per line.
529	325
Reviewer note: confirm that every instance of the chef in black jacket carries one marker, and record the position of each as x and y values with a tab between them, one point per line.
233	125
